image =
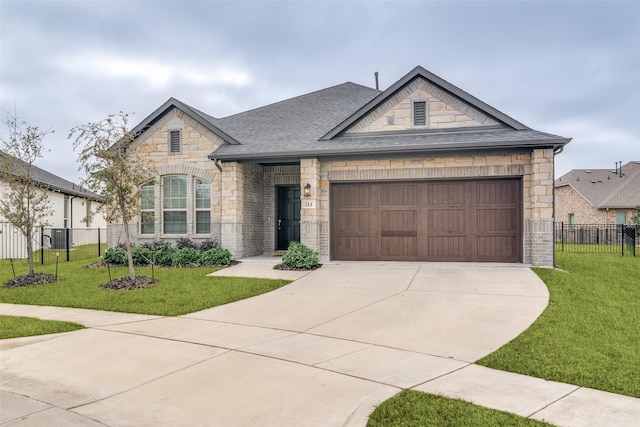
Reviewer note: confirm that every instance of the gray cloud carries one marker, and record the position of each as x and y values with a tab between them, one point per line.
568	68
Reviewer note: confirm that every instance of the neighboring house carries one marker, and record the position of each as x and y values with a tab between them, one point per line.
420	171
69	206
598	196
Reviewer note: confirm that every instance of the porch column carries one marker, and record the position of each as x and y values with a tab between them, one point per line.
310	215
538	229
232	208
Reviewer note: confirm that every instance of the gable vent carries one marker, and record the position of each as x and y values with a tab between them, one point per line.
419	113
174	141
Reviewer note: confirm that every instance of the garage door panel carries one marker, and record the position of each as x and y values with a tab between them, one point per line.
465	220
446	194
353	221
403	221
355	248
353	196
399	195
447	221
496	220
446	248
496	248
402	248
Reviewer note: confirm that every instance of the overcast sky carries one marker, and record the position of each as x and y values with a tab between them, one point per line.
569	68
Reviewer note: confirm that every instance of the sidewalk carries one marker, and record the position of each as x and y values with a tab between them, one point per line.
322	351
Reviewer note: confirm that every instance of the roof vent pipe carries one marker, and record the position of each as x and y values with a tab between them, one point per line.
376	76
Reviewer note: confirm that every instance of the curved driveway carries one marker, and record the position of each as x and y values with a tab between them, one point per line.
322	351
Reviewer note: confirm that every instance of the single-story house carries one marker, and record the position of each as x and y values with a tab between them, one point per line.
598	196
421	171
69	205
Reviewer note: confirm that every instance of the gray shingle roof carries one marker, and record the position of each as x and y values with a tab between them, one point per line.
604	188
50	181
314	124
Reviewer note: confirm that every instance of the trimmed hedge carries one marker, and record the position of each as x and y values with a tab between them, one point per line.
162	254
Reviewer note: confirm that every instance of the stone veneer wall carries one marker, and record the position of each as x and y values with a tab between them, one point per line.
192	161
443	111
535	169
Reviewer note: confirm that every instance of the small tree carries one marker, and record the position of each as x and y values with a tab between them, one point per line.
112	171
24	202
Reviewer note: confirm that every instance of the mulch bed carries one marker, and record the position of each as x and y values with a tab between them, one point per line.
30	279
127	284
288	268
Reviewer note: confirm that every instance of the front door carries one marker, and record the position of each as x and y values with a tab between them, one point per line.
288	225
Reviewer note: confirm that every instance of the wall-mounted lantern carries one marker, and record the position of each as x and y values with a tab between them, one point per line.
307	190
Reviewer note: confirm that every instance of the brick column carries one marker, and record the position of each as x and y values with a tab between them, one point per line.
232	208
538	228
310	206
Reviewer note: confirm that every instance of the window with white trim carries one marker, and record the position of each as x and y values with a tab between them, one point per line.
175	141
174	204
148	209
202	206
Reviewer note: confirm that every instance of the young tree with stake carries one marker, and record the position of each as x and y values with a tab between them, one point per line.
24	202
112	171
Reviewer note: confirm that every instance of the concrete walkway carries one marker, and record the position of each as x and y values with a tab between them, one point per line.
322	351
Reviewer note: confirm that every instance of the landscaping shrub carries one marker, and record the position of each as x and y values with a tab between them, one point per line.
116	256
185	242
216	256
163	255
141	256
186	257
300	256
208	244
155	244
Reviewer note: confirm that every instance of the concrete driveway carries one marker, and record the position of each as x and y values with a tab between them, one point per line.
322	351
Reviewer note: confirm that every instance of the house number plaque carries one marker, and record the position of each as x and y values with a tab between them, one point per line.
308	204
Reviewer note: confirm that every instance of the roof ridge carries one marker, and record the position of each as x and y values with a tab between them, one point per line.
297	97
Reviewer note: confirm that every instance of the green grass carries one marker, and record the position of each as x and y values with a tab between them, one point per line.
589	335
17	326
178	292
416	409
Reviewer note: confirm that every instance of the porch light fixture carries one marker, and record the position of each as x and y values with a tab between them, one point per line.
307	190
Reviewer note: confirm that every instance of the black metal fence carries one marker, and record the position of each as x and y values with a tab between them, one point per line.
604	238
65	244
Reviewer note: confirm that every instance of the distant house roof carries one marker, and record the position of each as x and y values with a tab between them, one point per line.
606	188
315	125
50	181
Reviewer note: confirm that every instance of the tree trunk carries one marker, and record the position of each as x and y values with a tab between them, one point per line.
29	236
127	237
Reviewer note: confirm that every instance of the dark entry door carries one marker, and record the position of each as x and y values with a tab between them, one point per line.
288	225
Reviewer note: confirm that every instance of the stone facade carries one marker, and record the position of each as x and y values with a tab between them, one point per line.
534	168
443	111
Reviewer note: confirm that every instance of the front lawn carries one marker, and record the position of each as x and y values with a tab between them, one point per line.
416	409
18	326
179	291
589	335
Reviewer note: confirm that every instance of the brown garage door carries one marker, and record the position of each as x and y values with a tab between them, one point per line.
477	220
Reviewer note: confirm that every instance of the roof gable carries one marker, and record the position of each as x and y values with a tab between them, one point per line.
209	122
448	107
604	188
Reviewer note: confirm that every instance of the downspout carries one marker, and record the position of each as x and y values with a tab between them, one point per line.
553	193
217	163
